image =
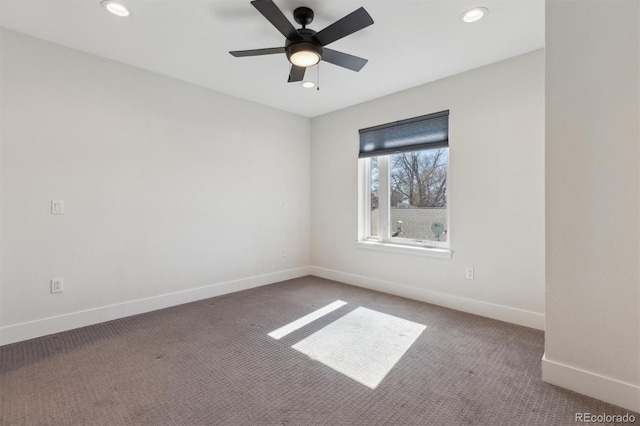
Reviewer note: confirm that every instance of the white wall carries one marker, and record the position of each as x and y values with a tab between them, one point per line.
592	342
496	193
168	187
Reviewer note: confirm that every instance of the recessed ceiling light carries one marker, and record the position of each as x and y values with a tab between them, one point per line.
115	7
308	84
474	15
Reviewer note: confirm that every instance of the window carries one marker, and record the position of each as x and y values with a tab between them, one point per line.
403	169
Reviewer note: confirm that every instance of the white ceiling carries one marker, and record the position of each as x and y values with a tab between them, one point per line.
411	43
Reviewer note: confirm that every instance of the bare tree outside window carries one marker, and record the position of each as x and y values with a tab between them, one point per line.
419	178
417	194
374	176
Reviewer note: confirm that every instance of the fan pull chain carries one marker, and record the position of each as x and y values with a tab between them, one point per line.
318	77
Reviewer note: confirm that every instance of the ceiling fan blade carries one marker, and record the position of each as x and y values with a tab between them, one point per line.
296	74
344	60
274	15
257	52
355	21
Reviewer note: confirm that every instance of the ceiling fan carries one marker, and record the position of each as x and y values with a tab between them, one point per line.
305	47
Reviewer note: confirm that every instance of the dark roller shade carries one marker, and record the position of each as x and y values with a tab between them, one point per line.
427	131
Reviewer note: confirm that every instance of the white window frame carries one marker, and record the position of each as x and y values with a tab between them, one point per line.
384	241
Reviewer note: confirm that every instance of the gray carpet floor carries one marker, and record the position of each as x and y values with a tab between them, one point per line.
211	362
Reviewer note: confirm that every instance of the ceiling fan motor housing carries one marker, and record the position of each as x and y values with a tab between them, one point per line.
308	43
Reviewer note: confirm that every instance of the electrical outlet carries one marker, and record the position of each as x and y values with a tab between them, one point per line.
284	252
57	207
56	285
469	273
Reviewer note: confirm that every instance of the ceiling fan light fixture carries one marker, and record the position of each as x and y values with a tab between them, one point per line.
304	47
474	15
115	7
304	54
305	58
308	84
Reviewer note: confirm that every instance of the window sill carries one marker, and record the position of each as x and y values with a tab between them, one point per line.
441	253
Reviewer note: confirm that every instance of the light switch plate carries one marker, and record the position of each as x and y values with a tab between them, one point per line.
57	207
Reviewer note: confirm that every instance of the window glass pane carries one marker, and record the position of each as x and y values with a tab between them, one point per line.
418	194
374	174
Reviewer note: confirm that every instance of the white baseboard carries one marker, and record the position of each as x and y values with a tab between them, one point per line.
42	327
610	390
485	309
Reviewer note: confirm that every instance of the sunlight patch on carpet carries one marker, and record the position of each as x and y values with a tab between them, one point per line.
307	319
363	345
